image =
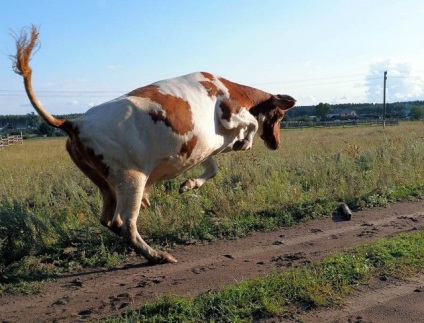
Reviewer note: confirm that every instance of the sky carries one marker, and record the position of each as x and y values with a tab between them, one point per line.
317	51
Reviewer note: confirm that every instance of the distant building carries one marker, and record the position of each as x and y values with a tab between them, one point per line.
348	114
333	116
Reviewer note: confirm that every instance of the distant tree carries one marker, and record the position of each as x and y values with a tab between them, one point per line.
322	109
45	129
417	112
32	120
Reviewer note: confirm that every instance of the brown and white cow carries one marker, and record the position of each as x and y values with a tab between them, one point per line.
157	132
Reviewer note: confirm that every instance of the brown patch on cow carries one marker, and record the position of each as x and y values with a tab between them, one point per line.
188	147
211	88
158	116
84	156
94	167
228	108
207	75
177	114
240	96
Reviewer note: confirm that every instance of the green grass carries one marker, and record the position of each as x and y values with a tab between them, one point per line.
49	210
325	283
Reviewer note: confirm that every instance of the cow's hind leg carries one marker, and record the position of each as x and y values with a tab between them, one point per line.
108	195
129	194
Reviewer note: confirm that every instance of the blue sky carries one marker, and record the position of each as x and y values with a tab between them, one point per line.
315	50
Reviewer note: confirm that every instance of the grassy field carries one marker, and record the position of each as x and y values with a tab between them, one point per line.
49	210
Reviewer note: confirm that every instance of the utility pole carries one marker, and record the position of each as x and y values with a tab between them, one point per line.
384	100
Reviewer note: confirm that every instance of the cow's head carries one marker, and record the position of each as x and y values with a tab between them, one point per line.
269	114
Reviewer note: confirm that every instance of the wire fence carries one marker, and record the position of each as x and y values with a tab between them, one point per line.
338	123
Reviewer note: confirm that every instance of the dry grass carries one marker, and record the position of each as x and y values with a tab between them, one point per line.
310	175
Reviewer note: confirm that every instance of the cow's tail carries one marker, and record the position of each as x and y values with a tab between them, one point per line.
25	45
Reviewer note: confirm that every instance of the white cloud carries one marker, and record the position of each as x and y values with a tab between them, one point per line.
403	84
74	103
303	99
92	104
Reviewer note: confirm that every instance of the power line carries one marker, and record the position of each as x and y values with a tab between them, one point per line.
341	79
62	91
310	79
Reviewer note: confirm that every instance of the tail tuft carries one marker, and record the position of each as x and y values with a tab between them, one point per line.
26	41
25	45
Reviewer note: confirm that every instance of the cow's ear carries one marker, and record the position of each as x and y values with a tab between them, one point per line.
283	101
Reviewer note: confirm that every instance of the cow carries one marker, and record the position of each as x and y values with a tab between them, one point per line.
155	133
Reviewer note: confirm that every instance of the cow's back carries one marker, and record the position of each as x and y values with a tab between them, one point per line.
172	121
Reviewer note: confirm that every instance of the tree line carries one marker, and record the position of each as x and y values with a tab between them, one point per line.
413	110
31	123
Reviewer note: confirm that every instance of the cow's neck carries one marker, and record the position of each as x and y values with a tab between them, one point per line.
246	95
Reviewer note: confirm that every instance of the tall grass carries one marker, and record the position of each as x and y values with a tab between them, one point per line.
49	209
310	175
48	216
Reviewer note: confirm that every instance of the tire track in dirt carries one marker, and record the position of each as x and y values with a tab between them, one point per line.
205	267
381	301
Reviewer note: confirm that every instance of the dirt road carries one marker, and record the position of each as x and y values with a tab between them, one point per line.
98	293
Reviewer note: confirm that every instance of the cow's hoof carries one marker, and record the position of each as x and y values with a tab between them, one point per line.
163	258
242	144
183	188
186	186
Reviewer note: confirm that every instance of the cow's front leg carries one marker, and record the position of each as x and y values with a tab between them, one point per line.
246	143
242	121
211	168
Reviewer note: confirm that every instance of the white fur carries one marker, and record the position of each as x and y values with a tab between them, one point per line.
124	133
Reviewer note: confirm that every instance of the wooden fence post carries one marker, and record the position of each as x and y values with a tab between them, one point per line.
11	140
